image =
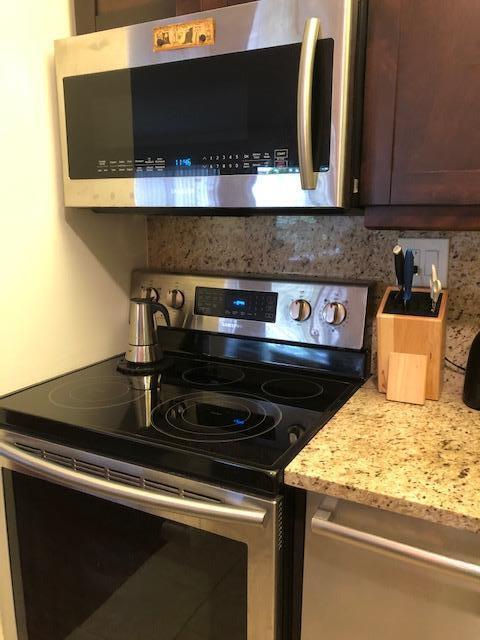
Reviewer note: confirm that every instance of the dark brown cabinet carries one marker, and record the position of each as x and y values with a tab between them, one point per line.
95	15
189	6
421	149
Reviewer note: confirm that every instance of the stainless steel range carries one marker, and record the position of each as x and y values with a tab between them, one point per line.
145	499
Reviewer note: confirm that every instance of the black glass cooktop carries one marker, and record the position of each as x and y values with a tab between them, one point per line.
242	416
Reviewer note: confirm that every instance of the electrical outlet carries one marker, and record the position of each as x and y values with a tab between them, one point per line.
428	251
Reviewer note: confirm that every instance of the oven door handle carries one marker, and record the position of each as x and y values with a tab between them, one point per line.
113	490
308	177
415	555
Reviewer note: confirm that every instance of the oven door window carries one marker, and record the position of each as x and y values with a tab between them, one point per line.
89	569
219	115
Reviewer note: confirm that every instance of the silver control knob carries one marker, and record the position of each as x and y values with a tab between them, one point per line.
334	313
175	299
300	310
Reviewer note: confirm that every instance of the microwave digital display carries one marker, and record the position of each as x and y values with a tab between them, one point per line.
183	162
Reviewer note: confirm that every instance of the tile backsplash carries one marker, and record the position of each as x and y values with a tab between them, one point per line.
331	246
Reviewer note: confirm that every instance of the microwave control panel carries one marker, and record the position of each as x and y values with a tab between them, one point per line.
214	164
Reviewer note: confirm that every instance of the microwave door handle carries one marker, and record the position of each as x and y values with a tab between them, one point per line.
113	490
321	525
304	103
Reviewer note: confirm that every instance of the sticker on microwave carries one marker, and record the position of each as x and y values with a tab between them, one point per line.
199	33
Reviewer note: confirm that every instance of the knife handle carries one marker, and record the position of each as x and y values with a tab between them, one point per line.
399	262
408	275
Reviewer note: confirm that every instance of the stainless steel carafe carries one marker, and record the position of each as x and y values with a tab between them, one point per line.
143	347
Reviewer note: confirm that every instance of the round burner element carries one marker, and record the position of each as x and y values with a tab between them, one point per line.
213	375
94	393
292	388
215	417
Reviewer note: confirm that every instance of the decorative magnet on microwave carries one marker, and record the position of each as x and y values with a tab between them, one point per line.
198	33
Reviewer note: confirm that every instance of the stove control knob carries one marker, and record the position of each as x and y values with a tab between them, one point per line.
334	313
175	299
300	310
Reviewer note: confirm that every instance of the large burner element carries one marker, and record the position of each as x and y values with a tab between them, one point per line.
214	417
94	393
292	388
213	375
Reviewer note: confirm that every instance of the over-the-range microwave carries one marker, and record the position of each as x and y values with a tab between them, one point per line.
244	107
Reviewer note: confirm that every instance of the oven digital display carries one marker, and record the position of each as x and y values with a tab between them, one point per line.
244	305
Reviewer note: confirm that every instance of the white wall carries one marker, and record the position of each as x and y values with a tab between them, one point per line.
64	276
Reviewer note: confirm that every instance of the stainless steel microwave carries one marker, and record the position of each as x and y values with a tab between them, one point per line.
243	107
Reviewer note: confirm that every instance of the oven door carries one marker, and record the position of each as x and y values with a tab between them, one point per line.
260	118
99	549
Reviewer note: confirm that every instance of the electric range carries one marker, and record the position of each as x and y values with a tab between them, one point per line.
214	419
236	397
117	487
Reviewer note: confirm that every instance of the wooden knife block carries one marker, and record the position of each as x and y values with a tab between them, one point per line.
415	335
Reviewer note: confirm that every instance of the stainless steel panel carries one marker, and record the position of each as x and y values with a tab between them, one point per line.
322	525
314	331
353	591
254	25
262	539
75	478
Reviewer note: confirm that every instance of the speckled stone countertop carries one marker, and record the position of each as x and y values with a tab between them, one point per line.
422	461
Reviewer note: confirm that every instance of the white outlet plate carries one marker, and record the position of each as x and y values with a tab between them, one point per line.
425	252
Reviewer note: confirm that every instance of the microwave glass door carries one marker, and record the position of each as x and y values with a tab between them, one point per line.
85	568
231	114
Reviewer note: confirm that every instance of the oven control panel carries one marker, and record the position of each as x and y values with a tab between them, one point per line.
260	306
312	312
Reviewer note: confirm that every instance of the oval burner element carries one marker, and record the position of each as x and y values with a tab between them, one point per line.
292	388
213	375
94	393
215	417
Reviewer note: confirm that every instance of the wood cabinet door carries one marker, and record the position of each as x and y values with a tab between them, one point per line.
188	6
95	15
422	103
436	156
213	4
98	15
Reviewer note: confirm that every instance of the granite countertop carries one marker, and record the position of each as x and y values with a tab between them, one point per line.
422	461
